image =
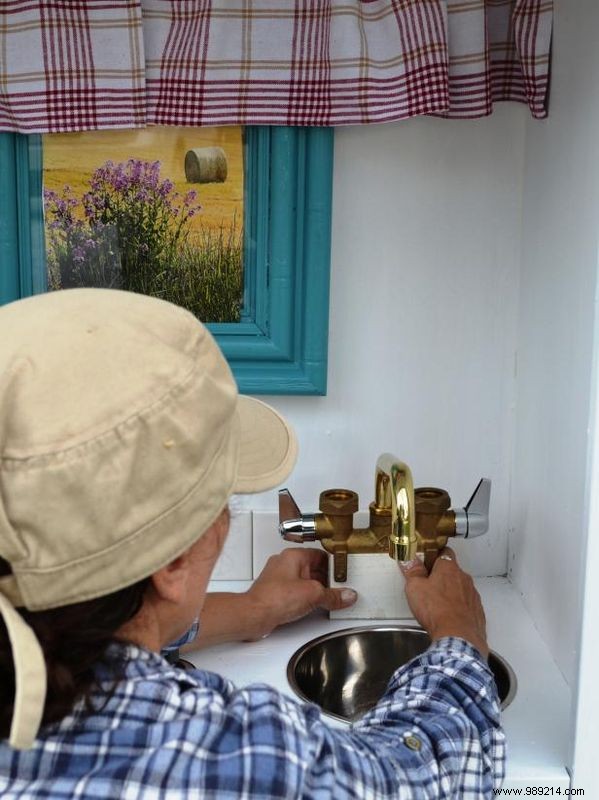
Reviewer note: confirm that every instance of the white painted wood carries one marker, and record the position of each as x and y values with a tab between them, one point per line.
585	727
555	336
380	587
424	287
235	560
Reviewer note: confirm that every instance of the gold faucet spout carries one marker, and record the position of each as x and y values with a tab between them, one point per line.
394	489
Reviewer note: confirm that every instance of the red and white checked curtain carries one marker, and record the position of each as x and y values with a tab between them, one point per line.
67	65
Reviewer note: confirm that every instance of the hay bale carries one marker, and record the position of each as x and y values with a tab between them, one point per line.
206	165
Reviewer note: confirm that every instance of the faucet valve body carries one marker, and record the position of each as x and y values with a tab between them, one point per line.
403	521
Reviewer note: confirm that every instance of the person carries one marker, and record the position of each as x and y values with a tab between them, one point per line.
122	439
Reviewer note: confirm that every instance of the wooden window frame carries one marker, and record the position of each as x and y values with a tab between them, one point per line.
280	344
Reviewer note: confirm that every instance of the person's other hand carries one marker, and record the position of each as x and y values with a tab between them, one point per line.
291	585
445	602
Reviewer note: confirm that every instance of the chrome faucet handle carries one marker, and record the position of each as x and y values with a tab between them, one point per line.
473	519
293	525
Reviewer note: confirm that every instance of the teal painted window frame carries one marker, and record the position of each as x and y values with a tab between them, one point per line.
280	344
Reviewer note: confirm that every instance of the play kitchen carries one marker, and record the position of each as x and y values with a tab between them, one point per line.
461	333
343	666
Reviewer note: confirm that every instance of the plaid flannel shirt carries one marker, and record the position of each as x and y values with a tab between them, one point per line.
165	733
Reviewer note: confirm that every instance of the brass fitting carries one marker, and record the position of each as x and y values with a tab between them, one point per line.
434	521
334	526
403	522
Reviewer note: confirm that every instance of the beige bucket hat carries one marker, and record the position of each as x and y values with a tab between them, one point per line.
122	436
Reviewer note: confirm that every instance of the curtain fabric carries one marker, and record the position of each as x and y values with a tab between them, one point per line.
67	65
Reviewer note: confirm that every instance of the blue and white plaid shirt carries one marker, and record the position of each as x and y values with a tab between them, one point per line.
163	733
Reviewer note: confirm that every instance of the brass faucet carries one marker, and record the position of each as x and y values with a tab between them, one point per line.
403	521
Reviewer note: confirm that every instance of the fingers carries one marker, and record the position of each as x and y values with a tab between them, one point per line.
447	551
416	568
296	562
298	558
446	560
334	599
413	569
446	556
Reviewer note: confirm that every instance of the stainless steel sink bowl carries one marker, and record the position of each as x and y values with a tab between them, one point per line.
346	672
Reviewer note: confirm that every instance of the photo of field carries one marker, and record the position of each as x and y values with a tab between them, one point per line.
158	211
70	159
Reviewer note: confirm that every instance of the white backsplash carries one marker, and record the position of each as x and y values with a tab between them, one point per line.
235	562
380	587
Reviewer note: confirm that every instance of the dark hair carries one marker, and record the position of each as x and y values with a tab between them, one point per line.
73	638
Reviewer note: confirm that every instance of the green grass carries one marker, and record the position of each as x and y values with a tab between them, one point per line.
204	274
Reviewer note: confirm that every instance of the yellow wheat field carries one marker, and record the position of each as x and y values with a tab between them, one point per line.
71	158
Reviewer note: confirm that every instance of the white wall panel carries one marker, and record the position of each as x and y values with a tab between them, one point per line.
555	337
426	224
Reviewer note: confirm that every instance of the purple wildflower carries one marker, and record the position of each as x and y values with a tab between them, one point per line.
78	255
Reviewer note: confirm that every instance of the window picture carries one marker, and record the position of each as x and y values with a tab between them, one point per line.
158	211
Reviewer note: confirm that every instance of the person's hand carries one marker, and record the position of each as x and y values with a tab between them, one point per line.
292	584
445	602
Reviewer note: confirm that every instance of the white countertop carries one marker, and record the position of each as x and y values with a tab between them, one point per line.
537	723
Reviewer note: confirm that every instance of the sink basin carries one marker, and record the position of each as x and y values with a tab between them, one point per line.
346	672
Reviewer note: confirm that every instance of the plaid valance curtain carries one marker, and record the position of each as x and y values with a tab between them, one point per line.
67	65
